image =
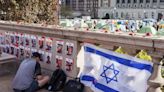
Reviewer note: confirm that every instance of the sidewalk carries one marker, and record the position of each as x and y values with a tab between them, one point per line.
5	83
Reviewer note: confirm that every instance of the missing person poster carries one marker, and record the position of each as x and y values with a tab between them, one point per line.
12	38
27	52
41	42
33	41
22	39
17	38
7	38
48	46
69	64
59	46
2	39
22	53
48	58
27	40
69	48
59	61
42	53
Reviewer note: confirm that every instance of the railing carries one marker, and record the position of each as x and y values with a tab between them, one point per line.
48	40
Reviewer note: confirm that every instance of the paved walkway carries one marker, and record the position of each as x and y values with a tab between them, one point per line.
5	83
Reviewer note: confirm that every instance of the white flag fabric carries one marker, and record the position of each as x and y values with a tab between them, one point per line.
107	71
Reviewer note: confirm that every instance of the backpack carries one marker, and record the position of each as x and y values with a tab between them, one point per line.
74	86
57	80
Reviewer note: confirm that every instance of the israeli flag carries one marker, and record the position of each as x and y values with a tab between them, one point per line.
106	71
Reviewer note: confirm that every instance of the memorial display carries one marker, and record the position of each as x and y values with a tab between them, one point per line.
56	52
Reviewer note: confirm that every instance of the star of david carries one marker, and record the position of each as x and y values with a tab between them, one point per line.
113	73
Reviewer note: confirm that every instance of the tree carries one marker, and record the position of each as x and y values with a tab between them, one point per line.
30	11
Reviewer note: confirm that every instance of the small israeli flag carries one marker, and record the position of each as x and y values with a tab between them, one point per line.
106	71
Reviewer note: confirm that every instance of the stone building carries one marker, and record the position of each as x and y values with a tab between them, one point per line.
85	7
131	9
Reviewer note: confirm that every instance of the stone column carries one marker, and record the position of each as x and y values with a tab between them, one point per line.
71	5
126	3
158	2
77	5
138	2
99	3
85	6
156	81
151	3
144	3
109	3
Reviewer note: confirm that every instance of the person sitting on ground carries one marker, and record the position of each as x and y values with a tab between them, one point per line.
28	77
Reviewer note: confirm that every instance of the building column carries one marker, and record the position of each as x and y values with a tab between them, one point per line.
71	4
151	3
126	3
85	5
132	2
77	5
138	3
109	3
144	3
99	3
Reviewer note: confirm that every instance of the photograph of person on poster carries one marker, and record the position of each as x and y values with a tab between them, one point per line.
59	62
59	48
33	41
69	50
48	60
41	44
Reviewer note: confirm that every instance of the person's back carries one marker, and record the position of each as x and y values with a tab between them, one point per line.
25	74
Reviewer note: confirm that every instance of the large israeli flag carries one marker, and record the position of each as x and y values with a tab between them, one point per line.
107	71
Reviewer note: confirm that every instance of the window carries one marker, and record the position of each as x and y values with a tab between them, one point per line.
147	1
129	1
154	1
139	15
67	2
162	1
141	1
116	14
118	1
135	1
123	1
152	14
122	15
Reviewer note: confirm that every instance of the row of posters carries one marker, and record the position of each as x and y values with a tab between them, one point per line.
58	52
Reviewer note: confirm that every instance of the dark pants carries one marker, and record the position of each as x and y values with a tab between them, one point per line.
34	86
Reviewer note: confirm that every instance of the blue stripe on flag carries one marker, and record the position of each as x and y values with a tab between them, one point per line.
98	85
123	61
